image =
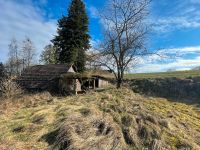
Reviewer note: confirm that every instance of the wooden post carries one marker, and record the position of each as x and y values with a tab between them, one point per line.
75	87
94	86
89	84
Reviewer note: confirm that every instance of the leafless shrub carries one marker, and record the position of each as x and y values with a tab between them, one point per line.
9	88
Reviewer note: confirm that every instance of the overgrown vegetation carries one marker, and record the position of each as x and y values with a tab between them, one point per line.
113	119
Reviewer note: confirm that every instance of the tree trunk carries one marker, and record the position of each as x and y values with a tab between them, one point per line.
119	83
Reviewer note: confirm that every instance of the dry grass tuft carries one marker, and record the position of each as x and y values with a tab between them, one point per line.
127	120
131	137
14	145
18	129
151	118
92	132
85	111
157	145
165	123
27	100
38	119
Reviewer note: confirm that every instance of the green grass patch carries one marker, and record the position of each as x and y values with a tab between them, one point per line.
177	74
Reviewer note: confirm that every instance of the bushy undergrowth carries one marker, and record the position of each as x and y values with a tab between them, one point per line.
168	87
9	89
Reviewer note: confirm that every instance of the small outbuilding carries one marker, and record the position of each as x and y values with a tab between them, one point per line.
47	77
59	78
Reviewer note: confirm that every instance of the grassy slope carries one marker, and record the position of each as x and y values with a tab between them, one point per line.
177	74
23	123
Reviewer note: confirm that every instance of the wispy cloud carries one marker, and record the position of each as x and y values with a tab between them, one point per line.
179	52
173	23
195	1
24	19
183	15
94	12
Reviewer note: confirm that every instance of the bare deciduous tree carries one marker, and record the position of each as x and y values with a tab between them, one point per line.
125	34
28	52
48	55
13	63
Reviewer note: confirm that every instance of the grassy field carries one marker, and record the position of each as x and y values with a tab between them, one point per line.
177	74
111	119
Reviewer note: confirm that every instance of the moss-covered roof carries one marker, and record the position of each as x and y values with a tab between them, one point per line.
86	75
76	75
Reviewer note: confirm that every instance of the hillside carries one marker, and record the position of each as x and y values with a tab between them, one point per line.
111	119
177	74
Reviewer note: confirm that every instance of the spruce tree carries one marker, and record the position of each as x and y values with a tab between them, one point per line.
72	41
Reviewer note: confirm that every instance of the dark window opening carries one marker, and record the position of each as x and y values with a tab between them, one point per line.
97	83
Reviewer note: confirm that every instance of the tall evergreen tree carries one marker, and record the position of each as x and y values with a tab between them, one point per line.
72	41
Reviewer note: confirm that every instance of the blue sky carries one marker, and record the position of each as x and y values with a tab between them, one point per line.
175	29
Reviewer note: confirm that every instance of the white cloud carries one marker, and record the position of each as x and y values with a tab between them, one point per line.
155	63
94	44
180	51
180	64
23	19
